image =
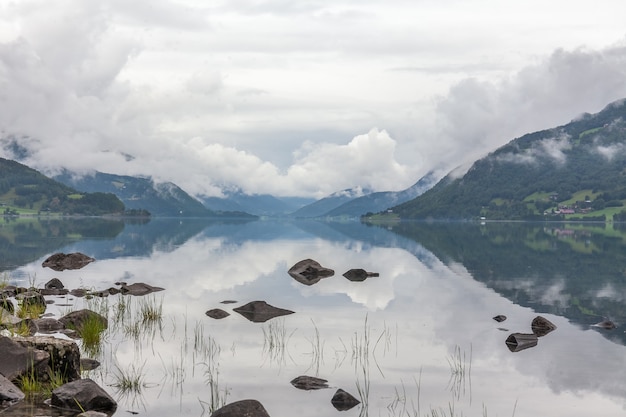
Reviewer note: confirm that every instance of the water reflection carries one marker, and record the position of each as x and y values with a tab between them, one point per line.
417	339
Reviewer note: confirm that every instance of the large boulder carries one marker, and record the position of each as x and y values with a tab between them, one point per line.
309	272
260	311
243	408
64	355
62	261
17	360
83	395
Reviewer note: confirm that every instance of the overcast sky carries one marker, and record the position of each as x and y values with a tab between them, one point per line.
301	97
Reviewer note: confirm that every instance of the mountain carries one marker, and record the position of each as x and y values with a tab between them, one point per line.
257	204
571	171
160	199
24	190
321	207
379	201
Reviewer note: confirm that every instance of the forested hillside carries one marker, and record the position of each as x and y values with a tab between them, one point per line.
573	171
24	190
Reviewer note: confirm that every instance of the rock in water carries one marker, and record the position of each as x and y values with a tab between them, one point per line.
343	401
309	272
61	261
260	311
83	395
542	326
359	274
217	313
309	382
243	408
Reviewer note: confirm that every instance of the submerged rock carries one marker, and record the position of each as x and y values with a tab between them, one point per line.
243	408
83	395
217	313
260	311
359	274
62	261
307	383
343	400
138	288
542	326
309	272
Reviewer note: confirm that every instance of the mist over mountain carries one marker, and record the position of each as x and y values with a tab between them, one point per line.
570	171
256	204
321	207
160	199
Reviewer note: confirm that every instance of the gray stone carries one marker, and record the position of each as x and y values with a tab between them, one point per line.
77	319
307	383
17	360
243	408
309	272
260	311
83	393
54	284
542	326
32	299
343	400
88	364
64	355
217	313
359	274
138	288
9	392
48	325
61	261
92	414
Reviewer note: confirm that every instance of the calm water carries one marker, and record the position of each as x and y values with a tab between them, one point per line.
418	340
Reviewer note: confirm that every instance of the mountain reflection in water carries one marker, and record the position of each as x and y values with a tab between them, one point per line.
418	339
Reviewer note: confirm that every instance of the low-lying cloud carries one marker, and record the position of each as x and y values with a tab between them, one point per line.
74	96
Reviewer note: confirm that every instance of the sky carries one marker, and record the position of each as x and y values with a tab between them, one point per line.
296	98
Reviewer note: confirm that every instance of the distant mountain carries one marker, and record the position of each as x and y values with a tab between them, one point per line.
24	190
257	204
160	199
572	171
322	207
379	201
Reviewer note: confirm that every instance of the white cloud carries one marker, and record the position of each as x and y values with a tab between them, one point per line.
273	97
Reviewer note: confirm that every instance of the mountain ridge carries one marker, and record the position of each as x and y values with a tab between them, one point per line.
571	171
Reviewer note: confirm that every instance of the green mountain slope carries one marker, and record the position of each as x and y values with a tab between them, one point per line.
24	190
160	199
573	171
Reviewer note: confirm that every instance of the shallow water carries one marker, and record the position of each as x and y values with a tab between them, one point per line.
418	340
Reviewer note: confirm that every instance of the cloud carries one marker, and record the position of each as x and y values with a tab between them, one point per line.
551	148
477	116
272	97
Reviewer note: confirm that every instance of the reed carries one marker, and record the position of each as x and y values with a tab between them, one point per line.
317	350
275	341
